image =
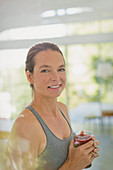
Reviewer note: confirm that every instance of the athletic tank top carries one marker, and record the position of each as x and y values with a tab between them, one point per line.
56	150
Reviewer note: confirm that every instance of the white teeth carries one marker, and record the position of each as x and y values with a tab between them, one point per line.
54	86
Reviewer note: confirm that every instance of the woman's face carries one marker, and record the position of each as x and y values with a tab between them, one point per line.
49	76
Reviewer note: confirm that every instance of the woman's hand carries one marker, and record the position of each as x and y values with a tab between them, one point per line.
82	156
96	143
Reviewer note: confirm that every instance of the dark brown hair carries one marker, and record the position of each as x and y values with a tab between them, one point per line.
34	50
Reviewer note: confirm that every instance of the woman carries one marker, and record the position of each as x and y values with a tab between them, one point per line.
41	137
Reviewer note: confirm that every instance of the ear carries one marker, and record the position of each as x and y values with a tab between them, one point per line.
29	77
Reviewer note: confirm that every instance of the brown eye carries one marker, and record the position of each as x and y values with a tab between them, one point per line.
61	69
44	71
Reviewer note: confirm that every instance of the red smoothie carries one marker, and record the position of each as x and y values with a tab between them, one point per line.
82	139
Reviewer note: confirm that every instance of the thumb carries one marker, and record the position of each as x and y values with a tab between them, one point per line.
71	148
71	143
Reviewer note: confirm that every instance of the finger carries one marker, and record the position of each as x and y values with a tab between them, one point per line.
93	138
92	154
71	146
96	150
88	145
96	143
90	151
71	143
95	155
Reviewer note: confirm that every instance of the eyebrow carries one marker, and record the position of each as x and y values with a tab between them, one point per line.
47	66
63	65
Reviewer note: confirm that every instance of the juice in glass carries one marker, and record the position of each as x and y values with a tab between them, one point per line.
82	139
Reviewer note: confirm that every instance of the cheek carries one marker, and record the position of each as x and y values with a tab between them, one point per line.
64	78
43	80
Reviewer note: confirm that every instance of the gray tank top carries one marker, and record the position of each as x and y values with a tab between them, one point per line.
56	150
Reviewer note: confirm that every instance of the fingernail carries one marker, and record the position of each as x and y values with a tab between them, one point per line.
94	150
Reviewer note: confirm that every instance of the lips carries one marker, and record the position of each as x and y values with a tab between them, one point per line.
54	86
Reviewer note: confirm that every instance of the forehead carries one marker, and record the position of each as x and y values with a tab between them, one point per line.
49	57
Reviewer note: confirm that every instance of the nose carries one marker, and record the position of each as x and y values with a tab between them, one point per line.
55	76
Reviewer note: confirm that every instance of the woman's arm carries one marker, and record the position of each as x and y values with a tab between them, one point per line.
22	148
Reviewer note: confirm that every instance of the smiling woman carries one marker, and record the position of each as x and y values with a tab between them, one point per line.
41	137
50	75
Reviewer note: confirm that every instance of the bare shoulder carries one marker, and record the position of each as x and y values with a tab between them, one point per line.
23	123
64	109
26	125
27	128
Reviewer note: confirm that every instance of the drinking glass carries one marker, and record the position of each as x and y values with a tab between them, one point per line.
82	139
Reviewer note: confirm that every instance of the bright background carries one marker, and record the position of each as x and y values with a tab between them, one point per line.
83	29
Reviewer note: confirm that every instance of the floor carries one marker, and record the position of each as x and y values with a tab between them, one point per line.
103	133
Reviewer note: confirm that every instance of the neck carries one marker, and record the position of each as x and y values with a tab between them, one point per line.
45	105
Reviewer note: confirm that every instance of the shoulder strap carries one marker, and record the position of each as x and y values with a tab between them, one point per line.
65	118
44	126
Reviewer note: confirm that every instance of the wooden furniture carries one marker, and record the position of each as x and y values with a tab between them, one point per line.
107	113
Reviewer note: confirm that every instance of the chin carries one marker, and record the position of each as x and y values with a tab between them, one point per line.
56	95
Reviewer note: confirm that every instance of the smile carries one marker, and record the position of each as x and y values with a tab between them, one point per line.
54	87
